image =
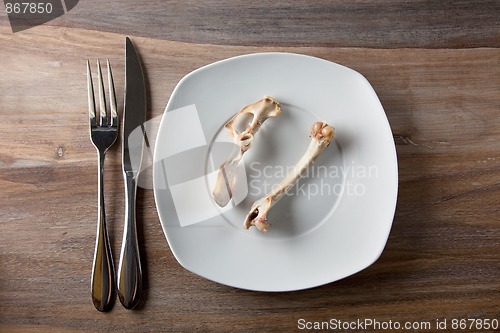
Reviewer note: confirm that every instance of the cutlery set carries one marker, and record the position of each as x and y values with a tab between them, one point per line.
103	134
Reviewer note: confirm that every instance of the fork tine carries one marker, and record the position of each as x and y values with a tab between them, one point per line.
112	97
102	98
91	101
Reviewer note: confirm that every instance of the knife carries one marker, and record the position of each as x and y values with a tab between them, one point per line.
134	116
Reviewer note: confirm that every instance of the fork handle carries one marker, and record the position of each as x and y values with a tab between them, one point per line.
129	269
103	272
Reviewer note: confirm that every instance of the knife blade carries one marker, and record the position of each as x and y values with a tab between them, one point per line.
134	117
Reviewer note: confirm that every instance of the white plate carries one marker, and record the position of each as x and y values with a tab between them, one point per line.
334	223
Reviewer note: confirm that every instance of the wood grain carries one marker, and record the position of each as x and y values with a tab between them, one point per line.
442	259
372	24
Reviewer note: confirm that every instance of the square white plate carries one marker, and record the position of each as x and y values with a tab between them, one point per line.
333	223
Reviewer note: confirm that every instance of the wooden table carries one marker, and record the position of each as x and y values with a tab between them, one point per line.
436	69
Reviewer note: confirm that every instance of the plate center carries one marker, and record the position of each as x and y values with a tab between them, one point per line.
277	147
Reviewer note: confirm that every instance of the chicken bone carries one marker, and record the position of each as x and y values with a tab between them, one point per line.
321	135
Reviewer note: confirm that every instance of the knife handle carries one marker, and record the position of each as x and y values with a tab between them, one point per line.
129	269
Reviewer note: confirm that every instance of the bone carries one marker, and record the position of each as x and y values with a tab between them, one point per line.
321	135
242	128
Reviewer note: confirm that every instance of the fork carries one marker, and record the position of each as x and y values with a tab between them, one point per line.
103	134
